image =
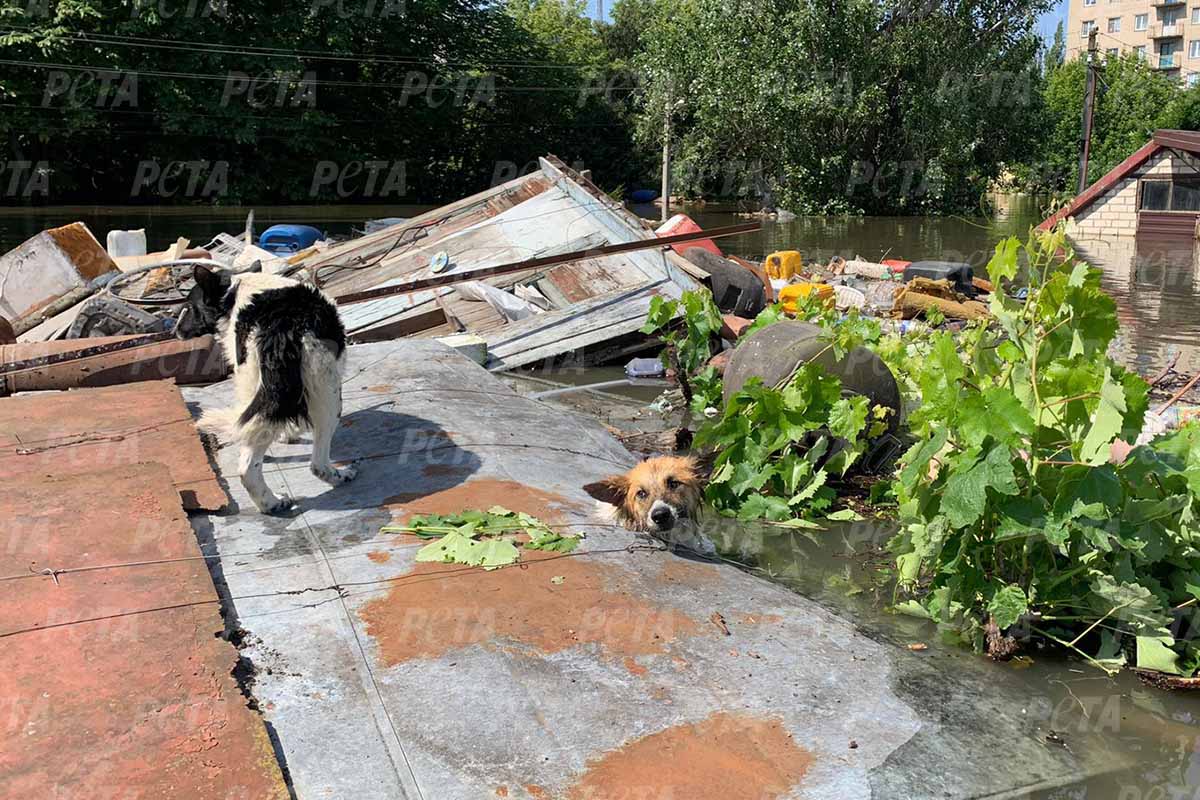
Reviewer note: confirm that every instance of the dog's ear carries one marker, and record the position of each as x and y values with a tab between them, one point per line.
256	266
211	283
702	464
611	490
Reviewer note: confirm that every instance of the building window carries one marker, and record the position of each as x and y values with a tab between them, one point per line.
1114	24
1140	21
1185	195
1088	26
1193	78
1140	51
1196	15
1194	48
1156	196
1089	2
1174	195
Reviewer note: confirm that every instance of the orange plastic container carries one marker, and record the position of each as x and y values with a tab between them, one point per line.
791	294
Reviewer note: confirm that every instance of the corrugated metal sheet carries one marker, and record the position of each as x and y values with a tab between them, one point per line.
1167	224
114	680
93	429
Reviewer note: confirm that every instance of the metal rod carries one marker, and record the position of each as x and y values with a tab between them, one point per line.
602	385
545	261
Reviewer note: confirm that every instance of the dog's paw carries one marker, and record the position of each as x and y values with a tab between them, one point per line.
282	505
334	475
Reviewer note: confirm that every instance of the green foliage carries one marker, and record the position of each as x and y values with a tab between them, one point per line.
1010	509
482	538
777	447
1133	101
768	102
463	92
689	349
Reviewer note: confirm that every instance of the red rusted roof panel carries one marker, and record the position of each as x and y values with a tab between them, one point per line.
1185	141
115	680
85	430
1101	186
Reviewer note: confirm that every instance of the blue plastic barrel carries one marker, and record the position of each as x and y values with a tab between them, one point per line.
288	239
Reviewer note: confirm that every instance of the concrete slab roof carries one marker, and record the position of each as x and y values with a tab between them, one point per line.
618	671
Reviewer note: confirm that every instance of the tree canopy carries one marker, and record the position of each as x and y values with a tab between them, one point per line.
863	106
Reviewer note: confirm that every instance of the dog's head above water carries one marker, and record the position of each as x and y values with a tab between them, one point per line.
654	496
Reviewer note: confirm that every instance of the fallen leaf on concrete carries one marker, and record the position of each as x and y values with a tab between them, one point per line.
719	621
918	646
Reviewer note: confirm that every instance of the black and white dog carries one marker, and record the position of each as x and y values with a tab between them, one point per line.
287	348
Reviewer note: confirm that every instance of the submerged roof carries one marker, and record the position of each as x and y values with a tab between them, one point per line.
1185	141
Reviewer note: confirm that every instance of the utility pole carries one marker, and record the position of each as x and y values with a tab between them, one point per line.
1089	107
666	158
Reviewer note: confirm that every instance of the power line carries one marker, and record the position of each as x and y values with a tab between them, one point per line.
283	52
297	79
328	123
1182	70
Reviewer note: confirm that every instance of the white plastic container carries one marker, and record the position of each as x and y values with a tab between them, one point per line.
126	243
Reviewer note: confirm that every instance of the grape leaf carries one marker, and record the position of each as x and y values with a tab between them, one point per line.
1007	605
965	494
1154	652
1106	423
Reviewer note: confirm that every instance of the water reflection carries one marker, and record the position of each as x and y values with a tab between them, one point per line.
1127	741
1156	285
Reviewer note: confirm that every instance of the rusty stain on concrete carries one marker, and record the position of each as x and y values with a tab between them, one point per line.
380	556
481	494
437	608
726	756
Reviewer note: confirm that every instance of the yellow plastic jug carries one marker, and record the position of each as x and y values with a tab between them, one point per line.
791	294
784	264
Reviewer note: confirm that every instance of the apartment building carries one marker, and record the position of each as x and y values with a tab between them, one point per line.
1164	32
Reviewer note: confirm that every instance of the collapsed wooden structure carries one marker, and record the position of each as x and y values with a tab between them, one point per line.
593	302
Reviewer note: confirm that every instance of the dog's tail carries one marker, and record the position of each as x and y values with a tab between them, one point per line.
222	422
280	397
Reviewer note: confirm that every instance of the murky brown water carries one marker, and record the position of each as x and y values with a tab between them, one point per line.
1132	742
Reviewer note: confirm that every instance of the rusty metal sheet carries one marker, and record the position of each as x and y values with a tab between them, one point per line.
116	682
90	429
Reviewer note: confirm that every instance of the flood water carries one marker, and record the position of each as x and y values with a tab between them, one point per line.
1132	742
1156	285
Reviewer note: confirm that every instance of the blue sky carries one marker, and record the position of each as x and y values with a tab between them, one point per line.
1046	23
1050	19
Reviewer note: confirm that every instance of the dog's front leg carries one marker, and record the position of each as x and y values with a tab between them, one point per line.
325	416
250	466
